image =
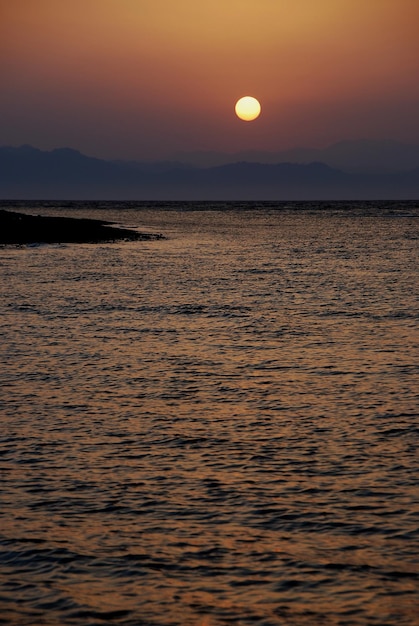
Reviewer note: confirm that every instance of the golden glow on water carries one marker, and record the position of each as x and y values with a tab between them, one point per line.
216	427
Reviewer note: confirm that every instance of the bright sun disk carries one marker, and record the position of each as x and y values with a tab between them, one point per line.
247	108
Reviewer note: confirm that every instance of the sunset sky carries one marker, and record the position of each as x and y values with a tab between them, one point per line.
145	79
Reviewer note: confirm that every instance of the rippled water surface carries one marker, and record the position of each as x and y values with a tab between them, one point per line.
216	428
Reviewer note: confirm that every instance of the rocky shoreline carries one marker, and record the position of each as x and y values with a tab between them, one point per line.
20	228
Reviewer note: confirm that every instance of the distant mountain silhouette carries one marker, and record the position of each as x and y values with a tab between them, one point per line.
362	156
29	173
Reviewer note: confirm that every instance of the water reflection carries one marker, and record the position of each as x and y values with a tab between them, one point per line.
218	428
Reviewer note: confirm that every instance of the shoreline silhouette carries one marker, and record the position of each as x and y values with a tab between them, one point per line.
20	228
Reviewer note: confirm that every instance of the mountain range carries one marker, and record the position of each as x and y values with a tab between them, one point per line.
362	156
347	171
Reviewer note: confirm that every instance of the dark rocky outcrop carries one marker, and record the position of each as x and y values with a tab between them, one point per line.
20	228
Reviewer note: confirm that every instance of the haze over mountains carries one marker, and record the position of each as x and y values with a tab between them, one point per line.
366	156
347	171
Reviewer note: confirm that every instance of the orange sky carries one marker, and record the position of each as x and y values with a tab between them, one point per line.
147	78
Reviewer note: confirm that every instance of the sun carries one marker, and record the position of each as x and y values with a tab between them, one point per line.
247	108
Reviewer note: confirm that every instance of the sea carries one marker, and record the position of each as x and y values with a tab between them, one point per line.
217	428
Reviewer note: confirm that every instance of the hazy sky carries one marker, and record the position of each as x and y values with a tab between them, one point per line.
147	78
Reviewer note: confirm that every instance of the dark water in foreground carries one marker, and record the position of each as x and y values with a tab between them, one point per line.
218	428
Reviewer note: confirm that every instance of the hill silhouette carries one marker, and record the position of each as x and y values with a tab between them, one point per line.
29	173
366	156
